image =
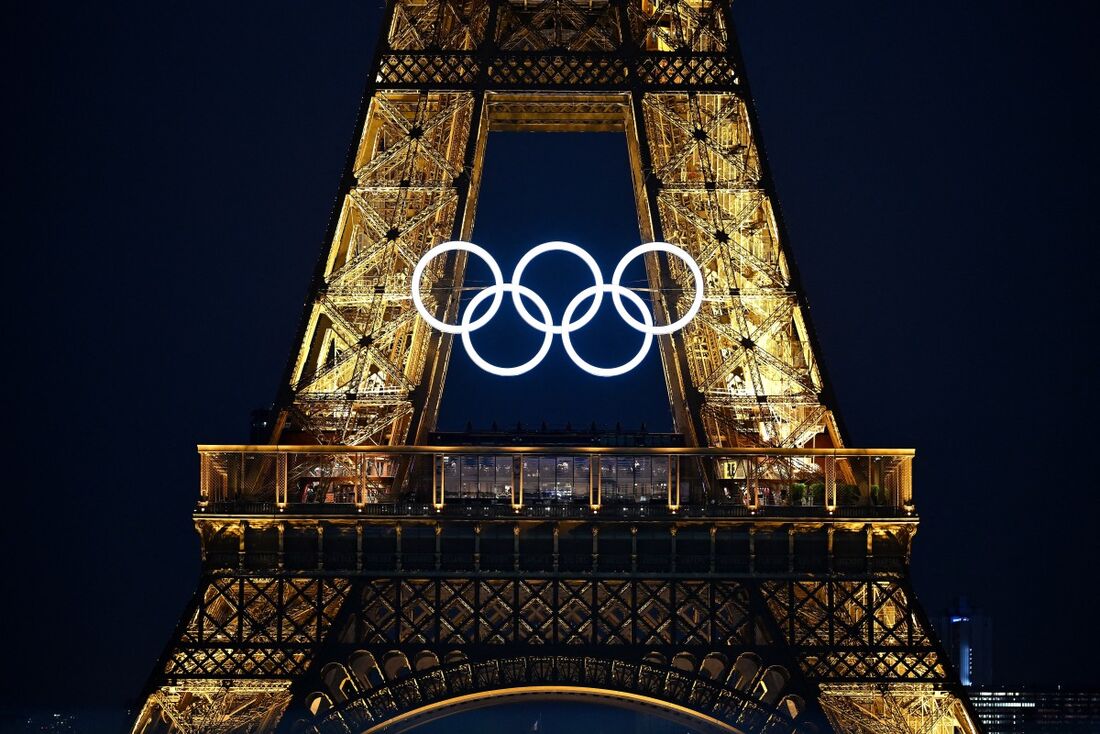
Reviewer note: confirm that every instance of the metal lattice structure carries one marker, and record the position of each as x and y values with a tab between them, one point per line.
354	579
667	75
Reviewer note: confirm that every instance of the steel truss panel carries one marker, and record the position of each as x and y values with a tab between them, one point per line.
360	649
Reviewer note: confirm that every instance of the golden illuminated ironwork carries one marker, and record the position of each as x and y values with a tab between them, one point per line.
370	603
369	371
752	578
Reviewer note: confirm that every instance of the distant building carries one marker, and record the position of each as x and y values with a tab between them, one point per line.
1029	710
67	721
260	426
967	634
52	723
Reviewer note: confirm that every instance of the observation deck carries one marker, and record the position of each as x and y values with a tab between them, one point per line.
551	508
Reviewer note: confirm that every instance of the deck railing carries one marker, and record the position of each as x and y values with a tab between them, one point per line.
554	481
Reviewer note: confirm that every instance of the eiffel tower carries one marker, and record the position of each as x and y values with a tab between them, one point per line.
362	573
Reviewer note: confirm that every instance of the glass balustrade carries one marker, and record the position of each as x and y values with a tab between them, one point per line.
555	482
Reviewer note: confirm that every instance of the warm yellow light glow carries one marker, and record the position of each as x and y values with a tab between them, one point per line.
623	699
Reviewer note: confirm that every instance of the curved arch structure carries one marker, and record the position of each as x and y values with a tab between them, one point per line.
396	694
630	701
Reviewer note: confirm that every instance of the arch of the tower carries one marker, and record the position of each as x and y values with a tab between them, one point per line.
397	691
554	694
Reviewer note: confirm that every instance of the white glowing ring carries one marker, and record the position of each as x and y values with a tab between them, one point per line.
547	326
498	282
572	249
617	289
595	292
497	291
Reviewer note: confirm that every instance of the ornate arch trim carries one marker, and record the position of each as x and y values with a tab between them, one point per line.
623	699
371	694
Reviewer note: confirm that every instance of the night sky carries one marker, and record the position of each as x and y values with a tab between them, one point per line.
172	166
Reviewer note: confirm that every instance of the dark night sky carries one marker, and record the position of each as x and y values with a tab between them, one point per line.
173	165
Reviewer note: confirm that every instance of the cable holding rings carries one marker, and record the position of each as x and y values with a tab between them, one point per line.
545	321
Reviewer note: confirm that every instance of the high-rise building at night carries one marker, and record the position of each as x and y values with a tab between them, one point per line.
967	634
1026	710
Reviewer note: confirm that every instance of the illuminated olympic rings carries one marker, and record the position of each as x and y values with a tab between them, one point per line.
545	323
